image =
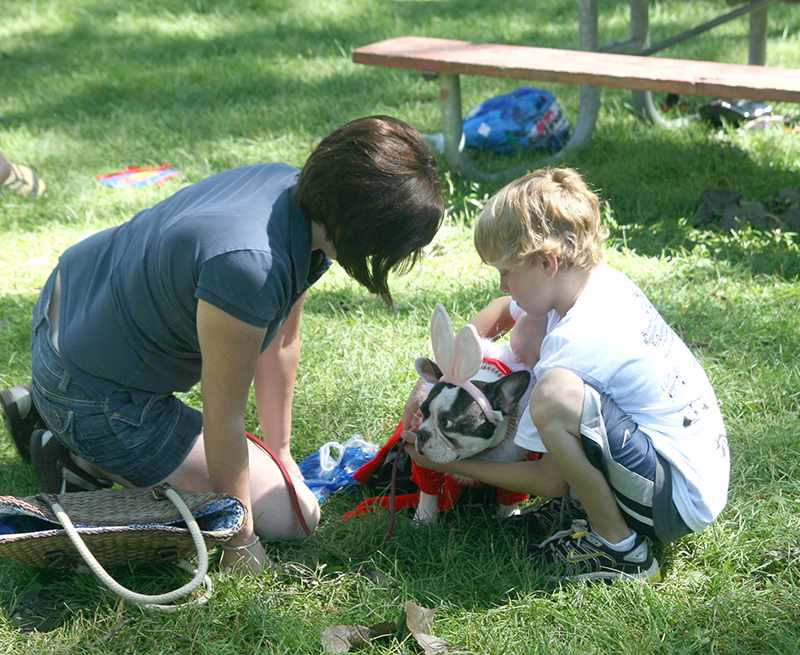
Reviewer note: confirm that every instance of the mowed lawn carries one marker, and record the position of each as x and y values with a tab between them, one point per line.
88	87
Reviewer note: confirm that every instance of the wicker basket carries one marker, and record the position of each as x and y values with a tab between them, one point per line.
118	526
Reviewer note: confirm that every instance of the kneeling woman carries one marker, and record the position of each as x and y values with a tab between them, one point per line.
208	286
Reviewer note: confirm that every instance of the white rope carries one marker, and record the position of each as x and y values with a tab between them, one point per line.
154	601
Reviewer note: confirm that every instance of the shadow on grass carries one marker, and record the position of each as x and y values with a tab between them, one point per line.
455	562
653	181
99	65
163	78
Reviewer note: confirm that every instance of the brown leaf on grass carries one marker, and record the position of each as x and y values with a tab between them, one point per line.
420	624
341	638
419	620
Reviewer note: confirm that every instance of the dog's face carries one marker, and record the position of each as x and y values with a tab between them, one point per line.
453	424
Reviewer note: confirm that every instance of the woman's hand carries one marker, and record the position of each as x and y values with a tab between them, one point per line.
288	462
293	468
248	561
411	416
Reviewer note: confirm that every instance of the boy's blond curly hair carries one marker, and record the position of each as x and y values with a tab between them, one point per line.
547	211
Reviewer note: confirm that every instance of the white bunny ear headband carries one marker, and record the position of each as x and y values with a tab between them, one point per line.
459	358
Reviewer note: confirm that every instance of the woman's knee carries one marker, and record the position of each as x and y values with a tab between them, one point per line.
306	512
287	524
310	508
5	169
283	511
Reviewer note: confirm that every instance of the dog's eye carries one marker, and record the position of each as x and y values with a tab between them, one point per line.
446	423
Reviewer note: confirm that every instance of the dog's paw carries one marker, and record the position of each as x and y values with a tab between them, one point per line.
425	518
507	511
428	509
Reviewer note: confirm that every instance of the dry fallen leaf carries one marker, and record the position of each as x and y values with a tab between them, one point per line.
419	619
420	624
341	638
434	646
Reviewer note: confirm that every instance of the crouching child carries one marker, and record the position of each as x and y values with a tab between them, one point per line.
625	414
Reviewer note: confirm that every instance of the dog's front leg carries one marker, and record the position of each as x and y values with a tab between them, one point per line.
505	511
428	509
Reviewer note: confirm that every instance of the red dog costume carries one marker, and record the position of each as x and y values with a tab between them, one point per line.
447	487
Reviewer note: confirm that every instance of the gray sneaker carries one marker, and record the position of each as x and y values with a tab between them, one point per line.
578	554
55	468
20	422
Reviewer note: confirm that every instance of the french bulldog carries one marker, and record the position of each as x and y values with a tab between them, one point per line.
453	425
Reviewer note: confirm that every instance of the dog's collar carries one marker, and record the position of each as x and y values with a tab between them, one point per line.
505	428
493	365
492	370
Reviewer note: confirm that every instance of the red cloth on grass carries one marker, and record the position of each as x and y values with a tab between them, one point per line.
448	488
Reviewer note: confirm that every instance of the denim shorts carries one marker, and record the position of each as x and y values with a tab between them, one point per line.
639	477
138	435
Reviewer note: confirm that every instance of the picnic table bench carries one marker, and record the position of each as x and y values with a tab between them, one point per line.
591	67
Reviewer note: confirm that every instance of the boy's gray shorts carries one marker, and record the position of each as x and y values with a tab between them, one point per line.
639	477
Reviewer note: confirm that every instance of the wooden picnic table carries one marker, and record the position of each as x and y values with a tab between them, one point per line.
622	64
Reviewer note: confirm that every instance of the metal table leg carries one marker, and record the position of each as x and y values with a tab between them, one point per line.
643	100
452	116
452	126
758	37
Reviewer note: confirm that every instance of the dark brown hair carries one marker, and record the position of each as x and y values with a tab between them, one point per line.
373	184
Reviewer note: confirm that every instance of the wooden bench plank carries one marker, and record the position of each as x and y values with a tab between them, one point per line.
585	68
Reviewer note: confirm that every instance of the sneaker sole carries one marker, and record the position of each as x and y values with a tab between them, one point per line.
56	471
652	575
12	420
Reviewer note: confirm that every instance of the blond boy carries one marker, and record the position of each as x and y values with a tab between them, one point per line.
625	414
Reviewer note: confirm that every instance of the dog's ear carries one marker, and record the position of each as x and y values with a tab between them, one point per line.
504	394
427	369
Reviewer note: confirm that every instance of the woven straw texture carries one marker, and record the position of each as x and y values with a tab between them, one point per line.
119	527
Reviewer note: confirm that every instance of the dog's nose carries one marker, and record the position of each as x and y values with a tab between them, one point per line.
422	438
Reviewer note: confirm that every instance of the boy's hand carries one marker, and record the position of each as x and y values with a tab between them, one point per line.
468	467
409	433
423	461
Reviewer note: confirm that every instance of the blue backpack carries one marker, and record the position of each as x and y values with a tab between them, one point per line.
523	119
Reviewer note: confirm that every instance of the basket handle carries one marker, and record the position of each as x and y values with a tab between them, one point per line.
156	601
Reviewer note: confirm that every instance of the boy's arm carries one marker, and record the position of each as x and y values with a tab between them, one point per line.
537	478
494	320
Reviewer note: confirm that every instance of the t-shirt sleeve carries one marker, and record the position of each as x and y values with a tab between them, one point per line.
527	436
249	285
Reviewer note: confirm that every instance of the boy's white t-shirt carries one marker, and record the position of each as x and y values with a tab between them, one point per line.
614	339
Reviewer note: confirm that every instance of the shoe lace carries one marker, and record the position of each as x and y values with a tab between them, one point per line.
569	541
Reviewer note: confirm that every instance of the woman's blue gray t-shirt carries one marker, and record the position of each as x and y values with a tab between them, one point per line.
236	240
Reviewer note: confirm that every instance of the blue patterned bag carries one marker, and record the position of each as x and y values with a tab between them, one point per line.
332	466
523	119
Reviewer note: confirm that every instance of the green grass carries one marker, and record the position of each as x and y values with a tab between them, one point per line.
90	86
